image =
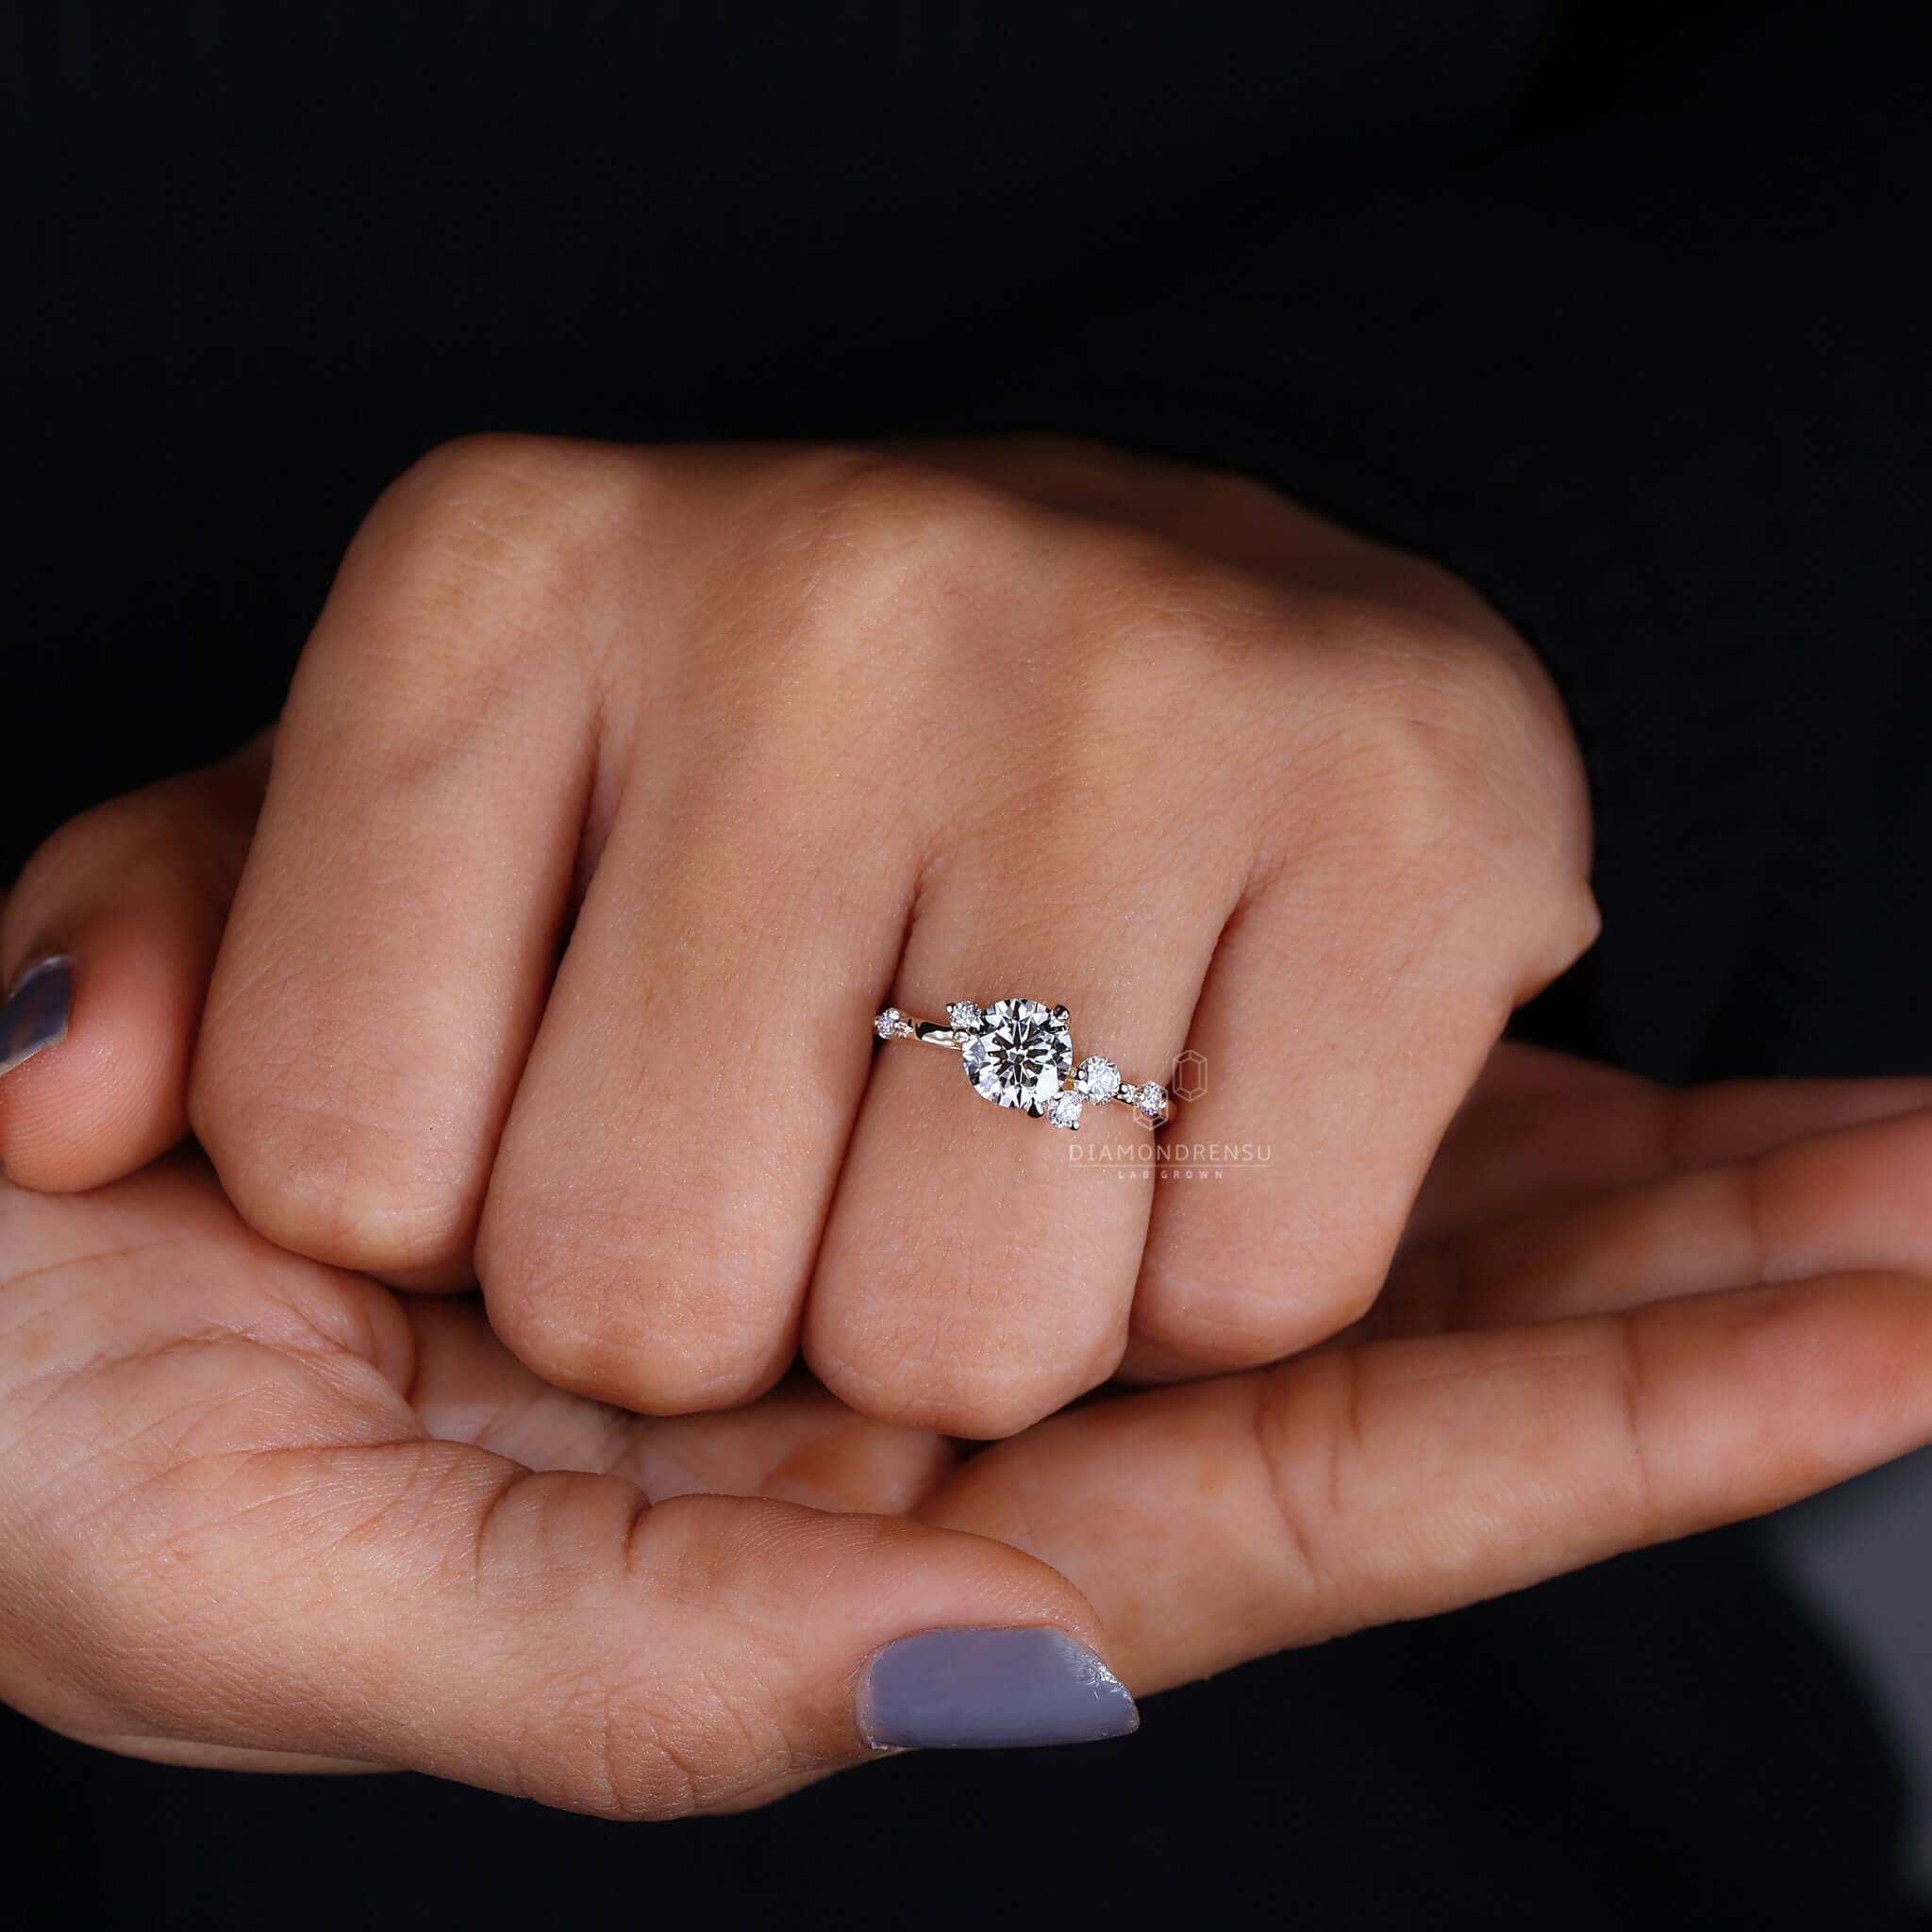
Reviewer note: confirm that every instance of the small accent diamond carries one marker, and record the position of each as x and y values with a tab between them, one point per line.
1098	1079
1129	1094
1063	1109
962	1016
1151	1103
886	1024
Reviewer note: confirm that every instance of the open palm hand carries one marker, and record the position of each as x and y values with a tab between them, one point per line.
257	1511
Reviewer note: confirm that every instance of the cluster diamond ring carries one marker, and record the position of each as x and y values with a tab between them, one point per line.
1019	1052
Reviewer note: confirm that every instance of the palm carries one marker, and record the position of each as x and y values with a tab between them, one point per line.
206	1394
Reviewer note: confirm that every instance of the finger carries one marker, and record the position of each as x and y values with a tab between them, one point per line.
662	1185
1348	1076
286	1564
108	943
975	1277
395	928
597	1652
1230	1519
1854	1201
1543	1131
795	1445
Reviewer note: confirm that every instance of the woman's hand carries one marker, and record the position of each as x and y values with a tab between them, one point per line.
772	738
259	1512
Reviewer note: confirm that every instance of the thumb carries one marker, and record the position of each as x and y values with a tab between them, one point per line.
106	948
439	1609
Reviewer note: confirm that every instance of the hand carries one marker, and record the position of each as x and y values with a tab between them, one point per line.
259	1512
770	737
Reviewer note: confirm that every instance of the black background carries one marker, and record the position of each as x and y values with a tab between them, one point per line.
1612	308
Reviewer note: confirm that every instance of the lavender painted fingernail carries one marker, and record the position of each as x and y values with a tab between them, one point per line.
975	1690
35	1015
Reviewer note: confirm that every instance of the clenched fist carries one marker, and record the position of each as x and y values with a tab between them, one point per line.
752	743
620	789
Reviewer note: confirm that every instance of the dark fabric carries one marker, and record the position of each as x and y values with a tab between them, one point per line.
1609	308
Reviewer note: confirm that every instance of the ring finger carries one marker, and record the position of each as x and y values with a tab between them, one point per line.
975	1273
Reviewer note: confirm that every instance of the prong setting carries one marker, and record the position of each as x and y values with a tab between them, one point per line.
1019	1053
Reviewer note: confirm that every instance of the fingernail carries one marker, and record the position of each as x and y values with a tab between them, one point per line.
35	1014
976	1690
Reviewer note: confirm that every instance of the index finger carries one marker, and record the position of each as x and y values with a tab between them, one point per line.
1220	1522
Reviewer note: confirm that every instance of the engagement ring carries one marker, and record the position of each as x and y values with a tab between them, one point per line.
1019	1052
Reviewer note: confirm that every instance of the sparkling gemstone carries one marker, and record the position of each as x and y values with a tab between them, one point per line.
1098	1079
962	1016
1063	1109
1021	1056
886	1024
1151	1103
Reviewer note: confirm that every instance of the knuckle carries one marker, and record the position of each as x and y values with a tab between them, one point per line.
1627	1393
327	1175
879	511
78	849
868	546
947	1391
1234	1313
91	846
513	506
1134	590
975	1331
1447	761
1428	717
655	1729
1081	639
584	1291
674	1736
626	1732
498	529
1149	634
1307	1436
179	828
478	584
858	554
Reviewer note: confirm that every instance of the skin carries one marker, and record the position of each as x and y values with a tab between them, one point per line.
236	1487
773	737
1545	1312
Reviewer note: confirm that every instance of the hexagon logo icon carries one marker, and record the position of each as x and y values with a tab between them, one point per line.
1190	1080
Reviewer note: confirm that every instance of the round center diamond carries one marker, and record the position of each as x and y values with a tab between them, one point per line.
1021	1053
